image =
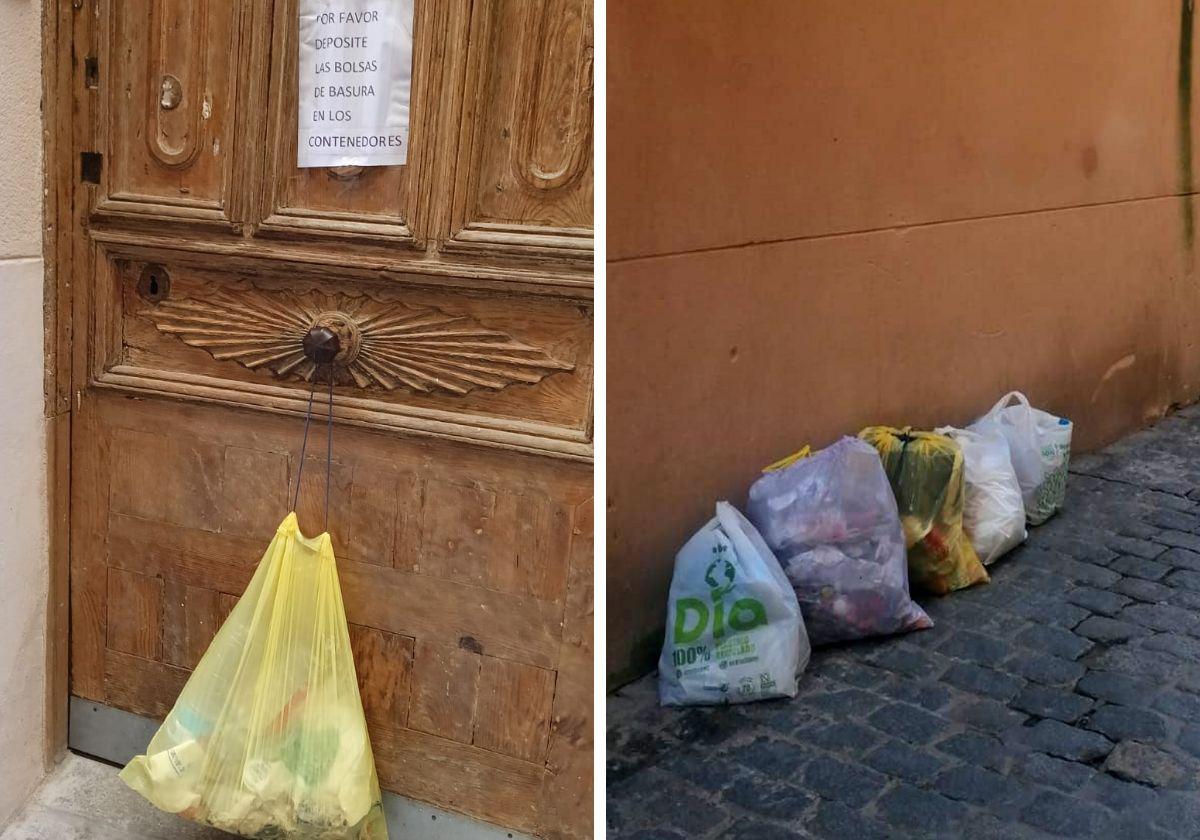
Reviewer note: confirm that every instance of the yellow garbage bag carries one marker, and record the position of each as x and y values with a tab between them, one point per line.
268	737
926	473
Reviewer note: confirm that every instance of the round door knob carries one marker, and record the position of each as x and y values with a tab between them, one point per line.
321	344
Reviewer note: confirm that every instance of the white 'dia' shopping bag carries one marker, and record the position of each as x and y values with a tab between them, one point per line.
734	629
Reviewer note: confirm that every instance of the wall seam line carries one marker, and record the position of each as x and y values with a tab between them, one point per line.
901	227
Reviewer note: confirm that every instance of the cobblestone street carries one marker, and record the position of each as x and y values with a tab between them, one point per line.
1062	699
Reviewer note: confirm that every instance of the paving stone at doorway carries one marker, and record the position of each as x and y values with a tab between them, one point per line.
83	799
1060	700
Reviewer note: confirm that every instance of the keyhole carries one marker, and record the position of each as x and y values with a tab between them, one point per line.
154	284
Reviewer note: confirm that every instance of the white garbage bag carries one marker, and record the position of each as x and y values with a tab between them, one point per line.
734	630
1040	446
993	512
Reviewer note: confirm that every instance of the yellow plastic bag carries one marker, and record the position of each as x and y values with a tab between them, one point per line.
926	473
268	737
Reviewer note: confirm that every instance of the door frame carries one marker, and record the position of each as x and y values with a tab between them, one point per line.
59	176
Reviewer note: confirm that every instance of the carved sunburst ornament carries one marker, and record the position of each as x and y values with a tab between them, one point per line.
383	345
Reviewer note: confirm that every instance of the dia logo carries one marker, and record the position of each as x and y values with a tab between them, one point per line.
693	616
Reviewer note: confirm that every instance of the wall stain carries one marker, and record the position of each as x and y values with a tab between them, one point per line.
1184	116
1090	161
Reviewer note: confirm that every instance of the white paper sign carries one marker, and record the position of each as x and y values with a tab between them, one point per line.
355	80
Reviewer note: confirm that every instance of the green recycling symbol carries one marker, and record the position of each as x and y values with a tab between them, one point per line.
718	568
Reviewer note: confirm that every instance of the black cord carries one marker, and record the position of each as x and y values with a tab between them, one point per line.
329	450
303	447
328	447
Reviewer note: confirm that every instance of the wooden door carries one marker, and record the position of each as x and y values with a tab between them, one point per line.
198	257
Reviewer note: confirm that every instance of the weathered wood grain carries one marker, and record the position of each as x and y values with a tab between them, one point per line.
524	178
140	685
444	692
134	613
383	662
513	714
565	809
459	777
191	618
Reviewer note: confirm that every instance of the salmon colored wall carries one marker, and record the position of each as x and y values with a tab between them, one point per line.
823	215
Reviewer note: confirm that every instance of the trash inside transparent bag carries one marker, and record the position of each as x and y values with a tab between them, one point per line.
926	473
831	520
268	737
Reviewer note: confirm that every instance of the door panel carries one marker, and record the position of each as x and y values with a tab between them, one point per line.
353	201
524	180
461	474
479	357
170	106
